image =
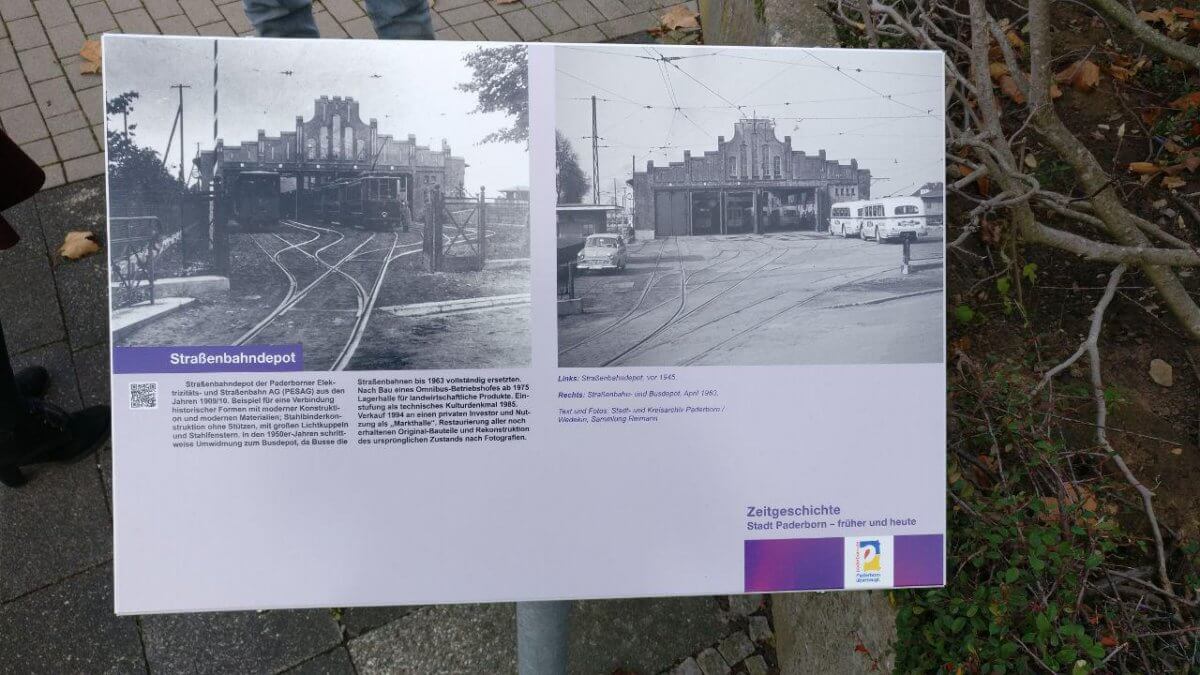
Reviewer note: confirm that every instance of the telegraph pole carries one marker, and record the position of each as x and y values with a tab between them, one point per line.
595	157
181	87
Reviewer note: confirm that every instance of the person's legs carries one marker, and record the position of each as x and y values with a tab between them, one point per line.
282	18
12	413
401	19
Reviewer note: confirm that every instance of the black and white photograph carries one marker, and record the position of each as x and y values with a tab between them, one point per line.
366	200
741	206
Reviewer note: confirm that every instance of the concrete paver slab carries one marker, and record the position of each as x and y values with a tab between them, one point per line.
58	524
251	642
24	329
70	628
645	636
78	207
39	63
333	662
359	620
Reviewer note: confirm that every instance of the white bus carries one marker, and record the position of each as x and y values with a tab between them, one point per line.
879	219
843	219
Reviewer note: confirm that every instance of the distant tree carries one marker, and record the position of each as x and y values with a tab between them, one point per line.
500	80
132	167
122	105
572	182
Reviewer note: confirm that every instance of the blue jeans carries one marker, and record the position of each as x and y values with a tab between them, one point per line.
394	19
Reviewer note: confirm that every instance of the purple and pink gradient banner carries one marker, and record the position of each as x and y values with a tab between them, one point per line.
217	359
819	564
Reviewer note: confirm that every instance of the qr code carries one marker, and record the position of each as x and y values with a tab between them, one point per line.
143	395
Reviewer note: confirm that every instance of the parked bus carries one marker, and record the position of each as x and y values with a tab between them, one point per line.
880	219
843	219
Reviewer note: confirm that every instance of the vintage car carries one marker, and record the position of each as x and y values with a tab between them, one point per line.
602	252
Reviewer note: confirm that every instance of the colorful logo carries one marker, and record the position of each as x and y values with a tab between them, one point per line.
870	555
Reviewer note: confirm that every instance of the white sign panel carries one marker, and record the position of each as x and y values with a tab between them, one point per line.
401	322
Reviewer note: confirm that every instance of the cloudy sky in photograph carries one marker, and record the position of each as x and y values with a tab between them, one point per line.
882	107
415	94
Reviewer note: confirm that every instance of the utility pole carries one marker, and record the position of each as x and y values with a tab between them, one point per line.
595	157
215	73
633	186
614	191
181	87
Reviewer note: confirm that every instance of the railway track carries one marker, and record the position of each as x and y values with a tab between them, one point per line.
759	324
679	315
640	300
364	298
634	314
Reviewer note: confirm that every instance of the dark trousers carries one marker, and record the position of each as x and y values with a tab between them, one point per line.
22	178
12	409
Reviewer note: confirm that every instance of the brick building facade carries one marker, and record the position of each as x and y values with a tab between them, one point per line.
752	182
333	144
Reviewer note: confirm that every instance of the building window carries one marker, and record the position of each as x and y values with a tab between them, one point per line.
778	167
733	167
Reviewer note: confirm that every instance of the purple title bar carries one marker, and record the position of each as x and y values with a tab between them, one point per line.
217	359
818	564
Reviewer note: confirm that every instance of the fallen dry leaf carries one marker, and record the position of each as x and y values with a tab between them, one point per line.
1004	80
1192	162
1144	168
1161	15
79	244
1173	182
1083	75
1162	373
680	17
1186	101
1009	86
90	65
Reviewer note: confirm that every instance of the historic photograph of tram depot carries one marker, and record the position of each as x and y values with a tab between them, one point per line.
733	206
366	200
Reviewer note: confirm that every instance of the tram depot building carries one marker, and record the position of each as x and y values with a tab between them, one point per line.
335	144
752	183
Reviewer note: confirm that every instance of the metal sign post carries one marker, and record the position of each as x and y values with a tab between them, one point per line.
542	630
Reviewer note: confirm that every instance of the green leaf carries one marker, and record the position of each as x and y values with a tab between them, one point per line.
1011	575
1029	271
1043	623
1003	284
964	314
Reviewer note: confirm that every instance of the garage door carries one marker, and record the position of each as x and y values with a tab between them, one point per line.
670	214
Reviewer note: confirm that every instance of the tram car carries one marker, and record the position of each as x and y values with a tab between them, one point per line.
370	201
256	200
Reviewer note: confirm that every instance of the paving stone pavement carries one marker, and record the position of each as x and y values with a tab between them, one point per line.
56	113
